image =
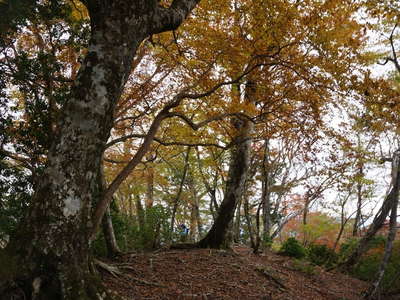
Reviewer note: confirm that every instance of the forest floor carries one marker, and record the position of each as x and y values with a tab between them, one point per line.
216	274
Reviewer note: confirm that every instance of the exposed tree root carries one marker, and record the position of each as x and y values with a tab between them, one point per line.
268	273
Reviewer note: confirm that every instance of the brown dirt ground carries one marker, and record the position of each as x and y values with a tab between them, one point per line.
216	274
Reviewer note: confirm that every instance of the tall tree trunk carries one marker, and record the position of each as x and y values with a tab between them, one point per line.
211	190
150	186
359	202
236	227
195	203
343	222
307	202
109	235
51	247
239	164
380	217
180	189
246	209
266	194
141	214
375	287
192	225
107	225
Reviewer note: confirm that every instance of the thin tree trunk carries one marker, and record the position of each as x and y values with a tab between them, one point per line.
109	235
375	287
266	194
249	222
107	225
196	202
210	190
149	187
192	227
257	234
178	195
380	216
236	227
140	212
341	230
359	202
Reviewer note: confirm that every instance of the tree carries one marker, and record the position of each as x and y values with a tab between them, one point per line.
218	236
51	248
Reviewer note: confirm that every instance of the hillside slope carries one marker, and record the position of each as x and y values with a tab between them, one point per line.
216	274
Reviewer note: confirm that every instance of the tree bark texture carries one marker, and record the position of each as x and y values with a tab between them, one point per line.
51	247
238	168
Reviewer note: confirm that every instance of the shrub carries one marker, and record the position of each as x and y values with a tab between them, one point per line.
130	236
350	245
304	267
321	255
291	247
369	263
267	242
155	231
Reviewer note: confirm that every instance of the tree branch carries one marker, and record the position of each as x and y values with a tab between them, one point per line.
196	126
148	139
166	19
394	59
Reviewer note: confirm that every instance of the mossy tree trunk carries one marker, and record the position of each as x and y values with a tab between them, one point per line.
50	251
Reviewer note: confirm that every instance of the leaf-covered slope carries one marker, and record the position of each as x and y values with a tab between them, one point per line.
216	274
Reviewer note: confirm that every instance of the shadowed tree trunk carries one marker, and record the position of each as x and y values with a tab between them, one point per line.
50	251
218	236
380	217
246	209
180	189
236	227
195	203
107	225
149	186
266	193
141	214
375	287
211	190
109	235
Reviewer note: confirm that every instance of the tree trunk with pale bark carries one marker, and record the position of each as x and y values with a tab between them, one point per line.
50	251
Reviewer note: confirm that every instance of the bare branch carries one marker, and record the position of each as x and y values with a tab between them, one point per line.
190	144
195	126
394	58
